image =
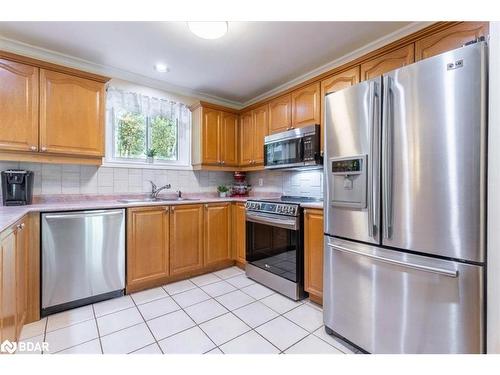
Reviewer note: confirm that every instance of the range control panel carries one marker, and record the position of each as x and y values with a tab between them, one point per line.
288	209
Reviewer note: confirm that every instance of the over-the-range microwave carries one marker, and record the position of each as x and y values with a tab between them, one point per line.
294	149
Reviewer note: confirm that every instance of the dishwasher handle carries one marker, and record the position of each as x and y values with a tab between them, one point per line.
83	214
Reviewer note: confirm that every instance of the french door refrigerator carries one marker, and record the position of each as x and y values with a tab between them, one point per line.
405	202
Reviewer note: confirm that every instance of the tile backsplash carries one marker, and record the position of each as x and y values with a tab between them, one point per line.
298	183
83	179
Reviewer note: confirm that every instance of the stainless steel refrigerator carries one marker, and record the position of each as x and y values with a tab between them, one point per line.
405	198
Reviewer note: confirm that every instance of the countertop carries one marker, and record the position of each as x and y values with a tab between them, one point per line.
317	205
10	214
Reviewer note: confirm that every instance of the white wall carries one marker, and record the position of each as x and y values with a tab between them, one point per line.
493	226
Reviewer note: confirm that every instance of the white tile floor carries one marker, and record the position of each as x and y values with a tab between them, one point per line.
220	312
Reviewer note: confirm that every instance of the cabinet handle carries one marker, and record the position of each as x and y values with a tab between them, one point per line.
167	209
172	209
44	148
33	148
223	162
20	226
206	206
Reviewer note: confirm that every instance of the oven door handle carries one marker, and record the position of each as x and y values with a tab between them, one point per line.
285	223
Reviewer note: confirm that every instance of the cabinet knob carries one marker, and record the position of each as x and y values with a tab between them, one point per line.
44	148
223	162
172	209
33	148
206	206
20	226
167	209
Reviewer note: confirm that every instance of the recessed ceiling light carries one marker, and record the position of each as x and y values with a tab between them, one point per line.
208	30
161	68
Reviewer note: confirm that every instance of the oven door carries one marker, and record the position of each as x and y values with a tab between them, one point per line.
284	153
274	244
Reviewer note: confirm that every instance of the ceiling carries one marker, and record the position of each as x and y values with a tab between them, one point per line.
251	59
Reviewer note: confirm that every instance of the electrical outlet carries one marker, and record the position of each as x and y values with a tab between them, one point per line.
261	182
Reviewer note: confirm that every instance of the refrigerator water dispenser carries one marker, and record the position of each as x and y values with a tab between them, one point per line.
349	181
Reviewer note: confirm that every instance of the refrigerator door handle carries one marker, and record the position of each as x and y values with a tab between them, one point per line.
372	159
419	267
387	123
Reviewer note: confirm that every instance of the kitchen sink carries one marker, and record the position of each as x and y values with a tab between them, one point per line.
149	200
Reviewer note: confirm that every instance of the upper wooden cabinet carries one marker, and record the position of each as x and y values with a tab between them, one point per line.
280	114
313	253
71	114
215	138
239	233
450	38
50	113
186	238
254	127
306	106
229	139
147	246
217	233
18	106
387	62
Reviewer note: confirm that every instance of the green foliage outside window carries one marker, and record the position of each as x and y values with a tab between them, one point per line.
164	138
131	136
133	141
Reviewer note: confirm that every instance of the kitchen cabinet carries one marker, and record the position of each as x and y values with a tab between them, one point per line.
306	105
254	127
186	238
71	114
239	233
13	276
388	61
18	106
217	233
450	38
280	114
313	253
229	139
215	138
335	83
147	246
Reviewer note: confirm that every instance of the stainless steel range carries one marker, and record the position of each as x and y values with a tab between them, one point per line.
275	244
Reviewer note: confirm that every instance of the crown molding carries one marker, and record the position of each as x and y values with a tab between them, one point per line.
14	46
20	48
372	46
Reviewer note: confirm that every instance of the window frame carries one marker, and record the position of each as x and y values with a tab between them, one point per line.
183	161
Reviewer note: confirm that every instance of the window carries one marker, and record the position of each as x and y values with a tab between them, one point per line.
141	126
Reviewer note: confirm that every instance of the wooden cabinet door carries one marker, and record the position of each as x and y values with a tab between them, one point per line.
71	114
334	83
229	139
450	38
306	106
147	245
280	114
186	238
246	139
313	252
217	233
260	122
239	233
211	136
8	308
387	62
22	248
18	106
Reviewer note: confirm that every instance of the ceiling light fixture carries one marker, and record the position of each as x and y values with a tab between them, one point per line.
161	68
208	30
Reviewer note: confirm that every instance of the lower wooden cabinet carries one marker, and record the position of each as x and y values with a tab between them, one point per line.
147	245
239	233
13	274
217	233
313	253
186	238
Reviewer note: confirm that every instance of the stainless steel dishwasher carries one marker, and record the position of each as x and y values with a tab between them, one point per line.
83	258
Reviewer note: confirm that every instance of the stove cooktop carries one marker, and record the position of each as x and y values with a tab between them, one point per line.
292	199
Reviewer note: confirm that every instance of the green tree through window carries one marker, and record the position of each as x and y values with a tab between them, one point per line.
164	137
131	136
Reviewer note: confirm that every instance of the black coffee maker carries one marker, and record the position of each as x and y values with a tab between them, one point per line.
17	187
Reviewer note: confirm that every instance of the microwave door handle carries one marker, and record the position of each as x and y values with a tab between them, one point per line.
301	149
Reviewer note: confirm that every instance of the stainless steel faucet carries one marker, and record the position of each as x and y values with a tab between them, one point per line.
156	190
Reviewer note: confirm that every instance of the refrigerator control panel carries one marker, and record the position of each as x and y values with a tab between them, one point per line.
349	181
